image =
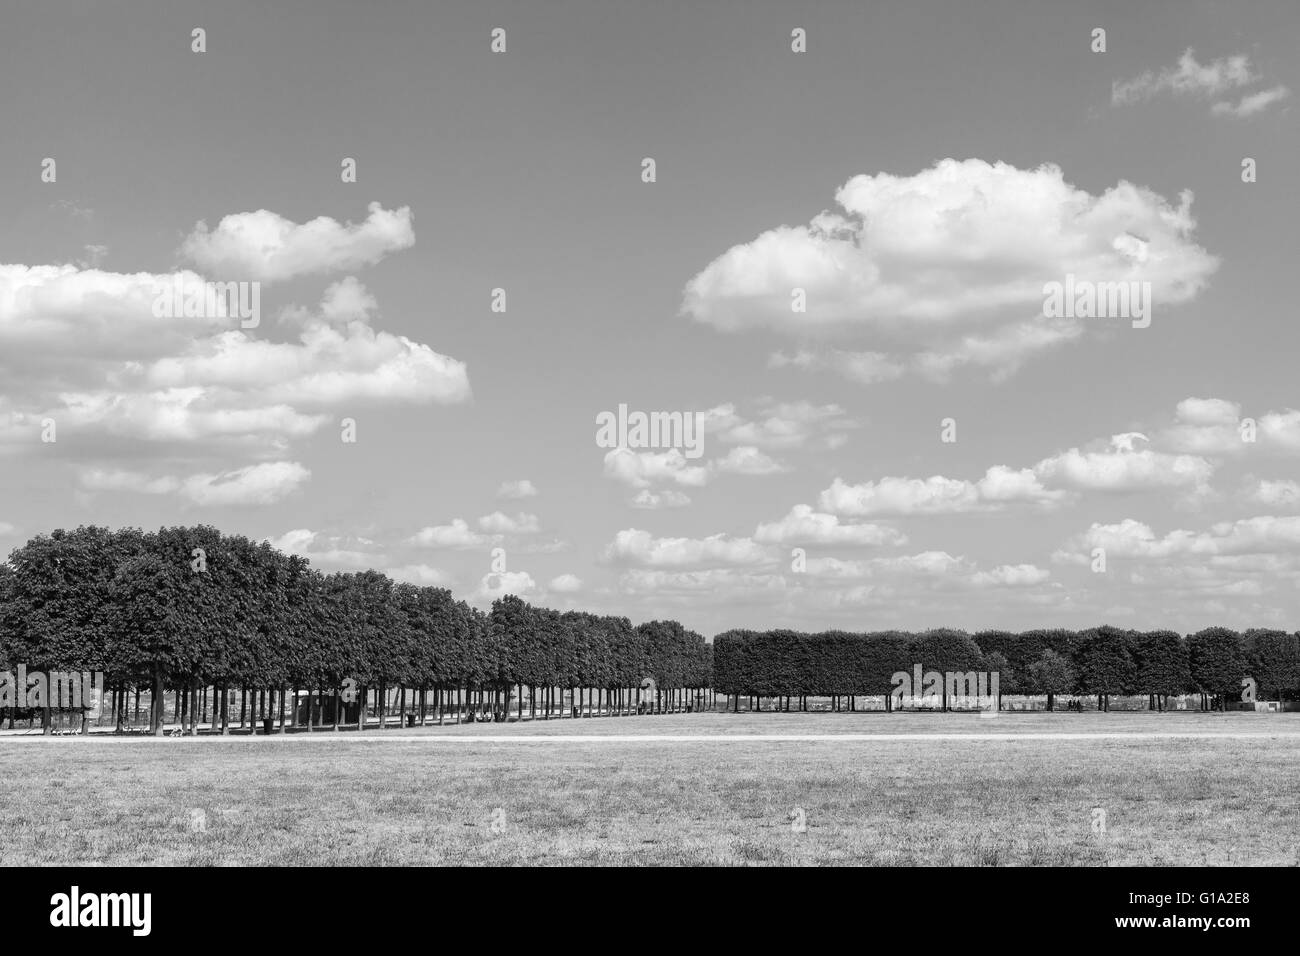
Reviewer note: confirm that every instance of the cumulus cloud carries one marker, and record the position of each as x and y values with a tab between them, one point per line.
639	548
454	536
654	500
513	490
84	348
261	484
422	574
949	265
1204	426
61	317
746	460
929	569
266	247
1216	428
642	469
1205	81
780	425
1280	430
493	586
339	357
566	584
500	523
999	487
333	550
1124	466
720	585
805	526
1131	538
1282	494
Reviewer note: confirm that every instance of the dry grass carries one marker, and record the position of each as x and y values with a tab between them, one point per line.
411	801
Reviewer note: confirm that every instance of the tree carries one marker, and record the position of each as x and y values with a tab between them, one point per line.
1162	665
947	651
995	663
1105	664
1011	650
1051	674
1273	658
1218	664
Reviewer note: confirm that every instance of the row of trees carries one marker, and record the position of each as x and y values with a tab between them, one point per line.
192	610
196	612
1103	661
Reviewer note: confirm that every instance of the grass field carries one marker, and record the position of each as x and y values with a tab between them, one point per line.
1226	793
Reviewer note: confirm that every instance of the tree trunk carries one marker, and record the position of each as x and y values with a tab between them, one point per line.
155	705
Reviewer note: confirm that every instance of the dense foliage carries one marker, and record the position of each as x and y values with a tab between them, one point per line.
187	608
1103	661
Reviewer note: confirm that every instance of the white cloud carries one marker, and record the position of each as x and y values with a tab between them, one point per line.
513	490
745	460
721	585
1281	430
949	264
805	526
499	523
421	574
1187	77
639	548
1204	81
938	495
260	484
493	586
1277	494
865	368
454	536
1134	539
265	246
324	549
654	500
1252	103
1011	575
1204	426
566	584
61	316
639	469
83	348
779	425
1125	467
335	360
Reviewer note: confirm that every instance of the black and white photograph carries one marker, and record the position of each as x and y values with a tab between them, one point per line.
448	437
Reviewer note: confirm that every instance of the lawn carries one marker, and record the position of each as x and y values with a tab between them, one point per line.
418	797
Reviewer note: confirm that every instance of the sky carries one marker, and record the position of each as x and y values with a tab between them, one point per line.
838	264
